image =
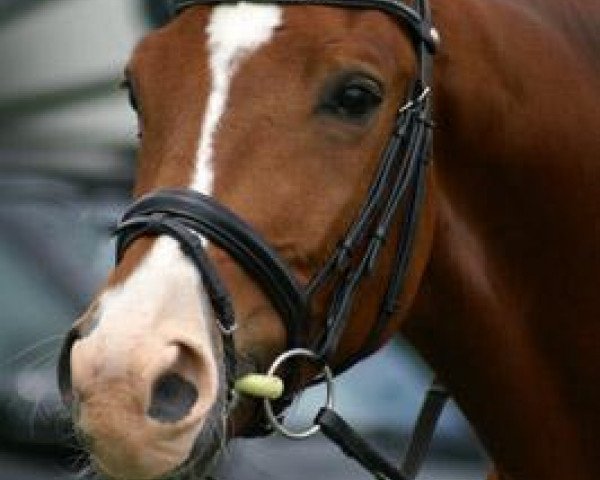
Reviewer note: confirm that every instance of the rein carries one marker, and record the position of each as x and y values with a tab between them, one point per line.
190	217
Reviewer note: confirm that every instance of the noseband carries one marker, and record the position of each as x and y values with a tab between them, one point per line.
192	218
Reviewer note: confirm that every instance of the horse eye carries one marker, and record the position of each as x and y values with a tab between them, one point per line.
126	84
352	99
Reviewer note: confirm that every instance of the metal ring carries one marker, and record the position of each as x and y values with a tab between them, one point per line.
328	378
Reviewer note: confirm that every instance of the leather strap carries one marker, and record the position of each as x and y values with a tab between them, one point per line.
410	17
159	223
400	181
178	212
356	447
435	400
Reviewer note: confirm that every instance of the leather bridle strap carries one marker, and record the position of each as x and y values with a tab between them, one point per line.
356	447
412	19
159	223
401	180
175	211
190	217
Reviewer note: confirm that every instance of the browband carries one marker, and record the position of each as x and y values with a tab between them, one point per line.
419	26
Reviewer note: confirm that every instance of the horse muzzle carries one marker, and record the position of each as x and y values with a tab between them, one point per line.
141	413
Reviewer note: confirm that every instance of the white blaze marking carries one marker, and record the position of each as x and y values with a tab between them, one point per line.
234	32
165	293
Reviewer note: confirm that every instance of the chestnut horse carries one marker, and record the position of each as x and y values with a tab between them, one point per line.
280	113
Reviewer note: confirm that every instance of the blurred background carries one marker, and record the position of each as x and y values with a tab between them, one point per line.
67	153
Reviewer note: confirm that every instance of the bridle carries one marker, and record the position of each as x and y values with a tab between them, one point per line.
193	218
187	215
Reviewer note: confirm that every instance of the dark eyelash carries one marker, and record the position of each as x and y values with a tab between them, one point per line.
126	85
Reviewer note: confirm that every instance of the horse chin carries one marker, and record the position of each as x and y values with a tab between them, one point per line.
147	452
207	448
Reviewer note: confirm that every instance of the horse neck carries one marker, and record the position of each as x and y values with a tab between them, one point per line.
508	310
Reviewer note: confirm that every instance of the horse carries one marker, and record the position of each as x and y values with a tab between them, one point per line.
266	124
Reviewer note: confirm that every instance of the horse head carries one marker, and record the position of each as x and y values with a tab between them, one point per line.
276	118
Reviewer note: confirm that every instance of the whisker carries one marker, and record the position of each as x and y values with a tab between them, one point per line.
32	349
32	416
87	472
42	360
82	466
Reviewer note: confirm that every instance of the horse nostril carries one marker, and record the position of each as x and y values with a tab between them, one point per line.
172	398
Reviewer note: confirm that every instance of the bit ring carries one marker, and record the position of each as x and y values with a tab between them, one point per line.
277	423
